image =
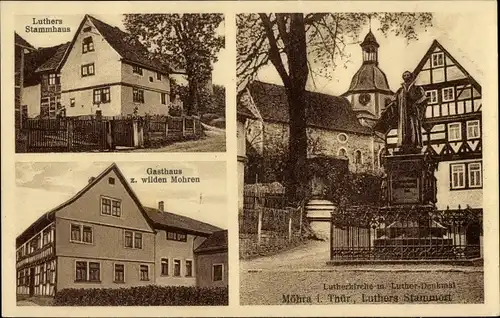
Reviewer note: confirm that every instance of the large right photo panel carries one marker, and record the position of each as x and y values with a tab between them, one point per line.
360	158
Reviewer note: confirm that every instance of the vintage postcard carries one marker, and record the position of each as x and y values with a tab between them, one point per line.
119	83
249	158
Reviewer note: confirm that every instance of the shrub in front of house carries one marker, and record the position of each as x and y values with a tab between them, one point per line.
143	296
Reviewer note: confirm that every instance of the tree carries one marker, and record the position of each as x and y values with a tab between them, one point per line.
186	42
297	44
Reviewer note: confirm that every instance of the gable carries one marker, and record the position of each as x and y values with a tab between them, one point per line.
86	205
438	66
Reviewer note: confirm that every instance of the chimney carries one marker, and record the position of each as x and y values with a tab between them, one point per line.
91	179
161	206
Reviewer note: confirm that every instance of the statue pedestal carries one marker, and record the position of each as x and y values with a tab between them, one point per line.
410	180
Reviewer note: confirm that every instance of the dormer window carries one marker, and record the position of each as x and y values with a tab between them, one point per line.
137	70
87	45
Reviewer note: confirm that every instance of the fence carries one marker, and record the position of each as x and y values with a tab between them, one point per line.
367	233
267	221
98	133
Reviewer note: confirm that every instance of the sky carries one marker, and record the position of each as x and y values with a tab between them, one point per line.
50	184
73	21
460	33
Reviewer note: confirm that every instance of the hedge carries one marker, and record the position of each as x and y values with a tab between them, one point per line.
143	296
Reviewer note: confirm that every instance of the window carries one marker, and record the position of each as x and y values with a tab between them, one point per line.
119	273
158	76
358	157
128	239
473	131
437	59
81	271
137	70
164	266
475	178
138	95
87	271
111	206
94	272
454	131
458	176
448	94
432	96
189	268
176	236
46	237
133	239
342	153
54	79
217	270
81	233
177	267
144	269
88	70
72	102
342	138
151	79
163	98
87	29
102	95
116	208
75	233
111	180
137	240
87	44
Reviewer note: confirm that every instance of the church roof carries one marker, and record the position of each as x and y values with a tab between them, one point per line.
369	77
324	111
369	39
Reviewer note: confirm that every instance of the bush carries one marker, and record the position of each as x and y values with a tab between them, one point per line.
151	295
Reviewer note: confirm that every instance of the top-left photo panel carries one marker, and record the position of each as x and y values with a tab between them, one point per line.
120	83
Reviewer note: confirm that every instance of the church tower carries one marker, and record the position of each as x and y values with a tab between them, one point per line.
369	91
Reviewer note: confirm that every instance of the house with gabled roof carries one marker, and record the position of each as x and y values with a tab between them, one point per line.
108	71
451	129
42	81
212	266
103	237
333	128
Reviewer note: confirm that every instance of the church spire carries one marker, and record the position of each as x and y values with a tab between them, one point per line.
370	48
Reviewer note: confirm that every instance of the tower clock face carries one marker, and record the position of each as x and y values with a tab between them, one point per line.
364	99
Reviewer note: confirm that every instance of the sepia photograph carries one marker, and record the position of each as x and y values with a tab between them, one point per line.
121	234
122	83
360	158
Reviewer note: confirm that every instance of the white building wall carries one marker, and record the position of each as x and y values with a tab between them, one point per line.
453	198
31	98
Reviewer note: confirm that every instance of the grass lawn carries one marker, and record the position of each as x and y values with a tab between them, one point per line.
272	287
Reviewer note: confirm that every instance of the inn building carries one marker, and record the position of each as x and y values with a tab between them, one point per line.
103	237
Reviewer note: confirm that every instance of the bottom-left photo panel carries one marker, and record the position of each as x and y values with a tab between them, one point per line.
121	234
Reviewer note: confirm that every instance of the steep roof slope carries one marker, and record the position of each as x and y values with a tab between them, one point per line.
45	59
130	49
49	216
216	242
324	111
163	219
18	40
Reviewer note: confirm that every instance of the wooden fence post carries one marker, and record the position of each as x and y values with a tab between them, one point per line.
69	130
290	211
183	126
259	227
